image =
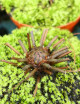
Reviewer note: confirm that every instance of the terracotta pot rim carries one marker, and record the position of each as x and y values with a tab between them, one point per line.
69	26
19	25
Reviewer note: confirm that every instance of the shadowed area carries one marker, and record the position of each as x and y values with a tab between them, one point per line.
6	25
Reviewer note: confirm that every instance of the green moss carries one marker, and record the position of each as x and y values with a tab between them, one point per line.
52	89
40	13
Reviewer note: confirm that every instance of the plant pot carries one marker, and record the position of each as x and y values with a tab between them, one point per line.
70	26
19	25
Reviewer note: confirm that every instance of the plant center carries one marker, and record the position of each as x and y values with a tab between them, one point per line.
37	56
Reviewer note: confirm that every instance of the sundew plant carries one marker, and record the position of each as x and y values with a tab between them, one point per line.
40	13
59	88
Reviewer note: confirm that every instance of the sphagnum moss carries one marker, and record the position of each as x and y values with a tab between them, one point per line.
40	13
54	91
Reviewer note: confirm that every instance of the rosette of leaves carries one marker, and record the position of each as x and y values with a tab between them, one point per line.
52	89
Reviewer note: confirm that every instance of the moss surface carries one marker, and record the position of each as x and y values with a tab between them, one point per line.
56	89
41	13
